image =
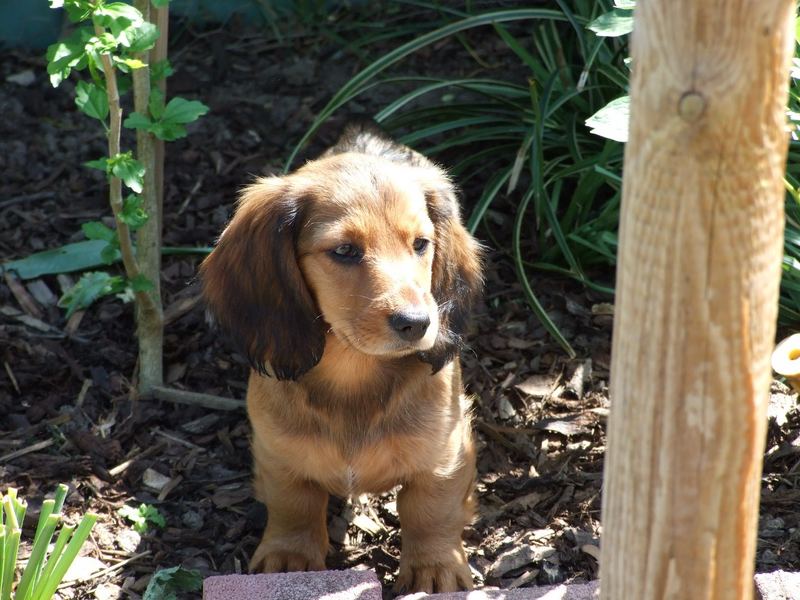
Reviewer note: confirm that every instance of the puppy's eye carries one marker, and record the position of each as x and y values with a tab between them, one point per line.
347	253
421	245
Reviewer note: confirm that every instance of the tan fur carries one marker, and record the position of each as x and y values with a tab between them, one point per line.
348	405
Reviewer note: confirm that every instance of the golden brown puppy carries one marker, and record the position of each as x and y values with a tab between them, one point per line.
348	284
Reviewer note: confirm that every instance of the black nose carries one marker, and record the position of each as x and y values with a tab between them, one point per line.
410	325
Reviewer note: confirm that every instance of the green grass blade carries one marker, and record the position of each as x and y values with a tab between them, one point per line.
520	50
60	496
519	160
353	87
52	561
426	132
505	132
579	29
551	268
10	559
489	192
531	298
53	579
561	241
44	533
492	88
11	535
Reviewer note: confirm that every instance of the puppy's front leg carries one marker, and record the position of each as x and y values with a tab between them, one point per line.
433	513
296	537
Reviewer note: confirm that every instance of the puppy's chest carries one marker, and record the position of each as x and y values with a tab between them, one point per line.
350	454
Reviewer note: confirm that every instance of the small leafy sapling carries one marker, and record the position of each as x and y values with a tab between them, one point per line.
113	42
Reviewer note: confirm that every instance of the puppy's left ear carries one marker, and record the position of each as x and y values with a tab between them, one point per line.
457	274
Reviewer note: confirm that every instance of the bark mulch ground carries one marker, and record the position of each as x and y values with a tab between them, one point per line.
67	413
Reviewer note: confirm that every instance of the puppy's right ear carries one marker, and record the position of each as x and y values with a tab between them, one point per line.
254	287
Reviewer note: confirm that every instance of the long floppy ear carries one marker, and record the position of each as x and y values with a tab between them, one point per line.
254	287
457	275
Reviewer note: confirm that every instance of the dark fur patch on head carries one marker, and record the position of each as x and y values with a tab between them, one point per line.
255	289
457	278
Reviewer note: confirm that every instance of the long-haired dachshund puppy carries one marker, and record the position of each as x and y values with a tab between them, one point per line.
348	284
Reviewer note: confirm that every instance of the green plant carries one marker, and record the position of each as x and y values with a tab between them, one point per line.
166	583
524	137
114	41
790	282
142	517
612	122
43	572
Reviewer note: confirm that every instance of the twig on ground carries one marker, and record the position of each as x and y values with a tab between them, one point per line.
123	466
207	400
106	571
27	450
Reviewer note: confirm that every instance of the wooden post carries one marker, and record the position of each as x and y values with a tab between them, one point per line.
701	240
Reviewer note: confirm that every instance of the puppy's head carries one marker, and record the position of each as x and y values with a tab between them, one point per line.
369	250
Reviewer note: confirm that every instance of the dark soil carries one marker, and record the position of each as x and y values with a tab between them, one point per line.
68	414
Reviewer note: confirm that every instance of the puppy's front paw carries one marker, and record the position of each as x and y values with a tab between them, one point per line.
271	558
434	575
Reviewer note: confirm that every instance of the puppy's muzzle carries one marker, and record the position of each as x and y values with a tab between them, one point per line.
410	325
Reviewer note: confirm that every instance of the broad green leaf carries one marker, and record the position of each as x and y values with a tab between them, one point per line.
120	19
66	259
794	71
611	121
95	230
132	212
92	100
160	70
114	11
613	24
96	48
165	584
168	131
137	121
75	257
100	163
77	10
66	55
143	37
128	169
160	3
90	287
180	110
